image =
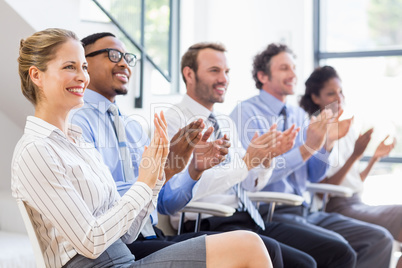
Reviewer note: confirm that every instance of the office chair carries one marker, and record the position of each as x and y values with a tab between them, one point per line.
33	236
326	190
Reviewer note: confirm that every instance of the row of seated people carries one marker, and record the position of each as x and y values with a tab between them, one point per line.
265	145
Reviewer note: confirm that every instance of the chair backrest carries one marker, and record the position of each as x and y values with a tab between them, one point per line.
325	190
165	226
33	237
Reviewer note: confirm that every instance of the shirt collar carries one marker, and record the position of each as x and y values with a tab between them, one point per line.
274	104
194	107
40	128
97	101
74	131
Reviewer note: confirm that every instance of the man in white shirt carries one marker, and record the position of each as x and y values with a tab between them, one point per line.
205	72
109	67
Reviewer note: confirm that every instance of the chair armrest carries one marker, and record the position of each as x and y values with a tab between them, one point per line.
279	198
209	208
334	190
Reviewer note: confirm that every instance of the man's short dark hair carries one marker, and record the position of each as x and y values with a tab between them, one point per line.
262	61
190	57
90	39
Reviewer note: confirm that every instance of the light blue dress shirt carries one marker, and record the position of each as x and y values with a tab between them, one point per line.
98	128
291	173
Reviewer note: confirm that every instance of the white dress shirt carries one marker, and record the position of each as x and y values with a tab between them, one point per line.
341	152
71	195
215	184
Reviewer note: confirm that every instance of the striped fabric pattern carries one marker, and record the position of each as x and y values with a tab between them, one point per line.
71	195
247	205
217	131
119	127
122	139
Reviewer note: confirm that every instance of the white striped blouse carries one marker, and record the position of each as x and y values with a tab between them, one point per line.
71	195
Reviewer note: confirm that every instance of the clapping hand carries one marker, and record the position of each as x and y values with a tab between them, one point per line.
154	157
362	143
262	148
316	132
337	130
383	149
181	147
287	140
209	154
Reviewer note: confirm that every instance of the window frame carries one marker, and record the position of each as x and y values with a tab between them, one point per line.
173	51
321	55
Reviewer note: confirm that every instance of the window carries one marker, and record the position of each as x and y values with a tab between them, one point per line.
150	29
360	25
362	40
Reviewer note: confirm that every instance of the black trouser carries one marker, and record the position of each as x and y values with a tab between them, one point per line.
372	244
299	247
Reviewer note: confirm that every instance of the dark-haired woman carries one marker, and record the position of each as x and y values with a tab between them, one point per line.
324	90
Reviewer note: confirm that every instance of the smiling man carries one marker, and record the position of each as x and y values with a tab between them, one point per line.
274	73
205	72
121	140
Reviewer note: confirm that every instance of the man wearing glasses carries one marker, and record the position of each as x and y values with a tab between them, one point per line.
102	125
115	56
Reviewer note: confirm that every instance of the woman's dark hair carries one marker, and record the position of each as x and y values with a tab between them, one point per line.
314	85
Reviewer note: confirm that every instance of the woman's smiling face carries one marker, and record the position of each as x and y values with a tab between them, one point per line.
66	77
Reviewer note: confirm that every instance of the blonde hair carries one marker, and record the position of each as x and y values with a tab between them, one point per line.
37	50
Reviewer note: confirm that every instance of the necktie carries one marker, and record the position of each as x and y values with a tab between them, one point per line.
122	140
148	230
218	134
214	121
283	113
247	205
292	177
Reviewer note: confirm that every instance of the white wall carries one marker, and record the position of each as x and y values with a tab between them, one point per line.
11	133
18	20
13	106
245	27
42	14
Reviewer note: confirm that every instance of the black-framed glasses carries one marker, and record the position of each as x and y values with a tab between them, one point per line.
115	56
